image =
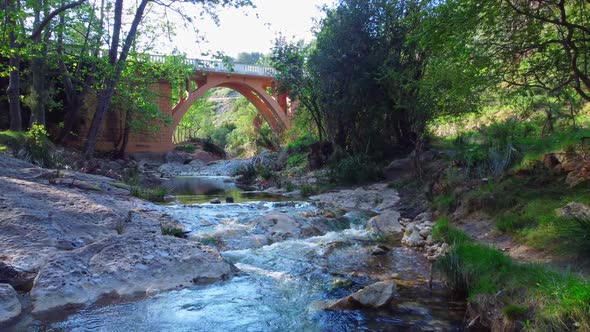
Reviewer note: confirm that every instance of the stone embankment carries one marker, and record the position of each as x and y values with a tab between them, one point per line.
69	239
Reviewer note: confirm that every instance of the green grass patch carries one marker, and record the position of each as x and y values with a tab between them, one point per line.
152	195
558	301
444	232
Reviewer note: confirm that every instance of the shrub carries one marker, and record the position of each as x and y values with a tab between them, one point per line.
296	160
307	190
301	144
355	169
443	203
264	172
33	146
189	148
130	176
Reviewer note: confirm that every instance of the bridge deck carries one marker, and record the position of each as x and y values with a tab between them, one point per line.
222	67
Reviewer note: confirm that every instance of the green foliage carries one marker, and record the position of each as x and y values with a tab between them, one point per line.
296	160
355	169
152	195
264	172
189	148
308	190
560	300
33	146
301	144
131	176
443	203
176	232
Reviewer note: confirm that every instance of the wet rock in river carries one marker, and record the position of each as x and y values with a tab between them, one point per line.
10	306
123	266
386	224
215	201
278	226
373	296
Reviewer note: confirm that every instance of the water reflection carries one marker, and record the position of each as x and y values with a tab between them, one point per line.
203	189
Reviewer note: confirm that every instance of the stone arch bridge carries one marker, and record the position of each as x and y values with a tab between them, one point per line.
256	83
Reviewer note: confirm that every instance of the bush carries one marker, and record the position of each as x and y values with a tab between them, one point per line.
301	144
264	172
296	160
443	203
188	148
33	146
307	190
355	169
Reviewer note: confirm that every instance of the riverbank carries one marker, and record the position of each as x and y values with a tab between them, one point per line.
516	242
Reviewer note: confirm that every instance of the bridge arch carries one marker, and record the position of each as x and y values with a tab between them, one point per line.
272	107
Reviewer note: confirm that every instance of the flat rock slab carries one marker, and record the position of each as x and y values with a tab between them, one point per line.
124	266
10	306
376	197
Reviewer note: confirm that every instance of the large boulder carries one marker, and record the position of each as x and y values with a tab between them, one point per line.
123	266
10	306
373	296
386	224
174	157
376	197
277	226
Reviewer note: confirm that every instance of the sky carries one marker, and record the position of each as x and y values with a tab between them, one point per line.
252	29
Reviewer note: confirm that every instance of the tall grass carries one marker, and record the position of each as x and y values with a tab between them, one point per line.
555	301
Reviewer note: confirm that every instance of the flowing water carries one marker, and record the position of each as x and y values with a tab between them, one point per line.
284	284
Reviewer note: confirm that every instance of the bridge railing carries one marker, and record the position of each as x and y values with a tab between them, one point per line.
221	67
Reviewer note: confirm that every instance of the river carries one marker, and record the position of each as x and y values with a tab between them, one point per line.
294	259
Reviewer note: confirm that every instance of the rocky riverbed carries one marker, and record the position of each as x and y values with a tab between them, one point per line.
77	242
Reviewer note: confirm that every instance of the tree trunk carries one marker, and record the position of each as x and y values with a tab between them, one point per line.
126	132
38	71
13	90
105	96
